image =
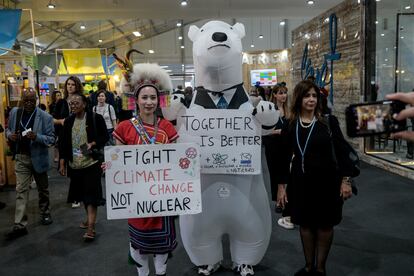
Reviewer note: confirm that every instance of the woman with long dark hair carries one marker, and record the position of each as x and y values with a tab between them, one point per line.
272	144
107	111
73	86
317	184
83	132
55	98
153	235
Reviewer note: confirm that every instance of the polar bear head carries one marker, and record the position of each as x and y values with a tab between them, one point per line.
217	51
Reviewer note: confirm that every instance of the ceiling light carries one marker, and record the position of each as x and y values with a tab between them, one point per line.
402	37
260	36
376	21
310	2
282	23
182	47
100	40
407	7
180	37
82	27
50	5
378	0
179	24
184	3
386	59
151	51
136	33
252	46
382	34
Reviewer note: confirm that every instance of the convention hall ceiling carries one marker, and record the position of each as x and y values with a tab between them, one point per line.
113	21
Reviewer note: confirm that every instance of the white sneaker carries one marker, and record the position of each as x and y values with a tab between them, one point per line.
285	223
208	269
75	205
243	269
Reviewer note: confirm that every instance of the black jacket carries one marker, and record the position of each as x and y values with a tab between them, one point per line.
100	135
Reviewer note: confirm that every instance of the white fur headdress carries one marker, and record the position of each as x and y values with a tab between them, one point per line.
146	74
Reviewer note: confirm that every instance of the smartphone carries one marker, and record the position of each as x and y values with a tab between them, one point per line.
84	149
368	119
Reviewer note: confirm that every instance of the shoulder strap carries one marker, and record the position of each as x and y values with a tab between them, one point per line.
328	124
19	115
94	124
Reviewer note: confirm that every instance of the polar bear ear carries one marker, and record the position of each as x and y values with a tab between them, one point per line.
192	32
239	28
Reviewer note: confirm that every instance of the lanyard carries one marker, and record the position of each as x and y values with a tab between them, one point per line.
28	121
139	127
302	152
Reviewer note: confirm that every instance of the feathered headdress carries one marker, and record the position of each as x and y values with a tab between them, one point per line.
140	75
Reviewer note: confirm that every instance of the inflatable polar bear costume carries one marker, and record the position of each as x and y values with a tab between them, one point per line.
244	212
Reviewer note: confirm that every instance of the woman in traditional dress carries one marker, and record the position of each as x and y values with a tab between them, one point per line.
154	235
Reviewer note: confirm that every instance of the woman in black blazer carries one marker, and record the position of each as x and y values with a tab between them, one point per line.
317	182
83	133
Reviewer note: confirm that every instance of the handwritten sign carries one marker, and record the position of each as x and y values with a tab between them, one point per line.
229	140
152	180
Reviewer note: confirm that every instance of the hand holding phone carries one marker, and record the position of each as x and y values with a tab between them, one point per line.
368	119
84	149
404	114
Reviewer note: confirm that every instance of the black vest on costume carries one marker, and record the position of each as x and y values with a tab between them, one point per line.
204	100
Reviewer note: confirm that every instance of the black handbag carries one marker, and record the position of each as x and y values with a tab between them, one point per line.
352	162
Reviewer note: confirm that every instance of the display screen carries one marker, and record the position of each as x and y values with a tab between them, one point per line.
374	118
266	77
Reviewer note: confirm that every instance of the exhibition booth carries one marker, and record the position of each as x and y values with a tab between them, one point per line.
358	51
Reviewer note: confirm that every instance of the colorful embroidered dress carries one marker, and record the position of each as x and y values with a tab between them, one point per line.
154	235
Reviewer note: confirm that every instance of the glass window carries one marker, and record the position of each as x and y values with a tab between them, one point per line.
389	68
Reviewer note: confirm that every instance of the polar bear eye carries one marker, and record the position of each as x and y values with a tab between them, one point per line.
231	28
201	30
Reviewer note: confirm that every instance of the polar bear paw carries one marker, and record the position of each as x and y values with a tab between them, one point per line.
266	113
176	105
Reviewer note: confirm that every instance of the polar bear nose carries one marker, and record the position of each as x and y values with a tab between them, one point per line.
219	37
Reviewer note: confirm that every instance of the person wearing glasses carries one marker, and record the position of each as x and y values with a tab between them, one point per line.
30	133
83	132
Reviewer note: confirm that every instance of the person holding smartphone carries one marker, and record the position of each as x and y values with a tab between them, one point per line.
83	132
153	235
408	98
318	184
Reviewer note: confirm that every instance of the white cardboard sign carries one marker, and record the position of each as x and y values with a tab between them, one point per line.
229	140
152	180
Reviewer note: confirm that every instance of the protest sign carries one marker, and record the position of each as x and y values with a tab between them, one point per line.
229	140
152	180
